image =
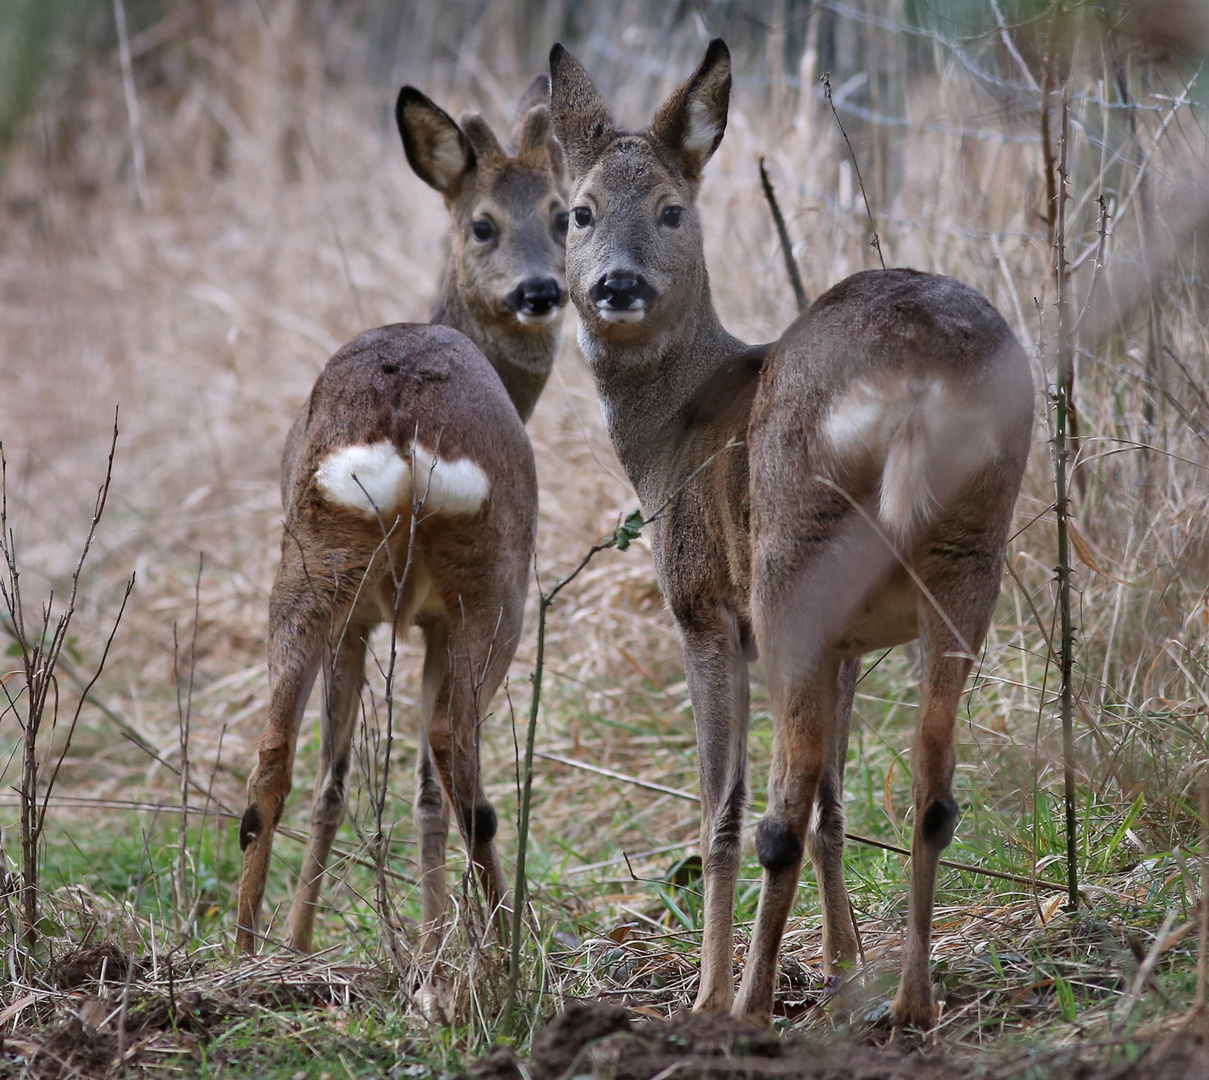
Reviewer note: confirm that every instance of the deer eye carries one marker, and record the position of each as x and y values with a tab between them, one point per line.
561	219
670	216
583	217
483	230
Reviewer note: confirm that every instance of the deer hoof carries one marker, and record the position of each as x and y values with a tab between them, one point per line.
921	1013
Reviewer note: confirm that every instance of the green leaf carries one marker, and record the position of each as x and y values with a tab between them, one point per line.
629	530
14	649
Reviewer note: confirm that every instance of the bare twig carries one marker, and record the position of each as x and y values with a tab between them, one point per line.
184	715
623	536
40	650
1064	385
1202	916
791	266
874	241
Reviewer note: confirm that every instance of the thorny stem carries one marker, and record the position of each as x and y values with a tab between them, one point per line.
875	240
1061	450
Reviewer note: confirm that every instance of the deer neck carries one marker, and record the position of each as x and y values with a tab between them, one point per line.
521	356
647	387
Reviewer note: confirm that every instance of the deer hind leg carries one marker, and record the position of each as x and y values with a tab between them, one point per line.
298	621
825	837
464	666
947	643
718	686
803	751
481	647
344	676
431	808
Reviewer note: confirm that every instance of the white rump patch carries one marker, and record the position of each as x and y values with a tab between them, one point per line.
924	434
450	487
376	479
702	130
364	477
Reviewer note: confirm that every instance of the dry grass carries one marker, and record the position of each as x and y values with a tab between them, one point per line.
283	219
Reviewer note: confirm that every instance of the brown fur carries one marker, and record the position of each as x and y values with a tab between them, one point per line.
774	532
462	578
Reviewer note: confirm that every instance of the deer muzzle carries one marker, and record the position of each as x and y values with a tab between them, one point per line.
536	300
622	296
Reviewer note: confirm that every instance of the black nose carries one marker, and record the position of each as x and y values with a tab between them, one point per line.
622	290
535	296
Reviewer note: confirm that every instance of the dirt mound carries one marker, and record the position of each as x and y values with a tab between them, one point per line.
601	1040
596	1040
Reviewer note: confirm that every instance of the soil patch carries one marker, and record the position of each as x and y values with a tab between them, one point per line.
604	1041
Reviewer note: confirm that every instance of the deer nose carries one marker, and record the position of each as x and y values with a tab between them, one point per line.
622	290
535	296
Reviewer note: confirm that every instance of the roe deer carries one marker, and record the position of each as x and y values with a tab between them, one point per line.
410	496
847	488
503	284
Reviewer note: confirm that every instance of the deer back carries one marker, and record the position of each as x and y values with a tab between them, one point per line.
409	417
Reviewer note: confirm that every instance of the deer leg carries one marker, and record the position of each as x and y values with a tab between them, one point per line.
344	676
825	837
716	669
297	621
803	749
947	661
481	647
431	808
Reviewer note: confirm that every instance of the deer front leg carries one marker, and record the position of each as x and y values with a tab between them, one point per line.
344	676
718	686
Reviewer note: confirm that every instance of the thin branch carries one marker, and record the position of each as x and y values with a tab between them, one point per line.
791	266
875	240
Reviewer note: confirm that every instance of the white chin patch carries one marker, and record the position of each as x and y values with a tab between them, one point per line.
615	315
375	479
526	319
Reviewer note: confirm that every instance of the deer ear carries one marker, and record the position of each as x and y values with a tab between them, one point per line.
533	150
692	121
538	93
437	150
487	148
582	124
